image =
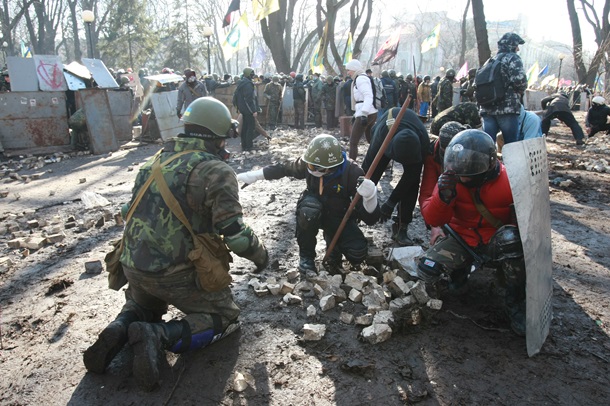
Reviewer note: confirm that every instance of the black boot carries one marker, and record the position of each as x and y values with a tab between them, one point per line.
149	342
402	237
109	342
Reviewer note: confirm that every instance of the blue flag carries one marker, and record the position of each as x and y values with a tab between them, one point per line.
544	71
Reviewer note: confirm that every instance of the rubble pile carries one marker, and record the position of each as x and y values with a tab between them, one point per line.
384	301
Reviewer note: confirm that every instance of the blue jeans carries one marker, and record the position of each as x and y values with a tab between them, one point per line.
507	123
423	108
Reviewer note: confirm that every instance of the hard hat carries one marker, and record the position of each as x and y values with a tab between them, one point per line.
210	113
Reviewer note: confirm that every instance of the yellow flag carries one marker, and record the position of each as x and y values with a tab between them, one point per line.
317	59
431	40
532	74
262	8
237	38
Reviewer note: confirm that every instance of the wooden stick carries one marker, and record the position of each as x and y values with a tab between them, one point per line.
368	175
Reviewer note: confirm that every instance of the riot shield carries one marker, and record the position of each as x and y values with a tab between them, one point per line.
526	165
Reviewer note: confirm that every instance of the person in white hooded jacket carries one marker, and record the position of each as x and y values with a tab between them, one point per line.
362	104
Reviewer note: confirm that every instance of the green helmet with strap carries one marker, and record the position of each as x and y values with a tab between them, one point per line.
324	151
210	113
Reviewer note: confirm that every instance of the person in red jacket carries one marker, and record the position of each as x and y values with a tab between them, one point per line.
433	168
473	197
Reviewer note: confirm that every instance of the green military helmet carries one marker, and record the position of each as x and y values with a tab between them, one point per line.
337	79
324	151
329	79
392	73
210	113
276	78
385	74
248	72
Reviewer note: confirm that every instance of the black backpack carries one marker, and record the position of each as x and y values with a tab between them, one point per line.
489	82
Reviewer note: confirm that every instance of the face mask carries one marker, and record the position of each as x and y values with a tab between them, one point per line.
316	173
191	79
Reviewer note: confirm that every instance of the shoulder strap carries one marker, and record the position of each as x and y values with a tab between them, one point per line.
476	198
144	187
193	91
169	198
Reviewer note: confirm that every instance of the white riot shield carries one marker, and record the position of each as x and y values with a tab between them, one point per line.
526	165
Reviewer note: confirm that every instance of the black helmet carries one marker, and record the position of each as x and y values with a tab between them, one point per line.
450	73
470	153
392	73
299	77
427	77
409	77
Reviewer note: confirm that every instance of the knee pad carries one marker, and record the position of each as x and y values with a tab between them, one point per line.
429	270
505	244
309	212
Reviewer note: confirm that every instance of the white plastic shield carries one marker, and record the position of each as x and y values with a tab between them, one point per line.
164	104
527	168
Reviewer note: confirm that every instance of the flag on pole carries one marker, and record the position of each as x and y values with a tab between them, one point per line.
234	6
463	71
544	71
388	50
25	51
237	38
599	85
262	8
431	40
547	80
258	58
349	50
532	74
317	59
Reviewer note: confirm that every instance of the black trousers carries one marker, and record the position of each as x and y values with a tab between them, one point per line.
247	132
565	117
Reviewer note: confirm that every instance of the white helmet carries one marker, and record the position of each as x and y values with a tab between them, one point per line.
599	100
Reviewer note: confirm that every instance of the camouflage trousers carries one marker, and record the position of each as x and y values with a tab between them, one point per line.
272	113
154	291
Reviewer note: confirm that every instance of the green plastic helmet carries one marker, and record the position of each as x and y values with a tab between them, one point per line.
276	78
329	79
337	79
385	74
210	113
248	72
392	73
324	151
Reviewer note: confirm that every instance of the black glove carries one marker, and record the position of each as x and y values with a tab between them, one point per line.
364	120
446	186
386	211
179	115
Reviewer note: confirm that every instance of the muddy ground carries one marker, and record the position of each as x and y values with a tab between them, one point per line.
52	310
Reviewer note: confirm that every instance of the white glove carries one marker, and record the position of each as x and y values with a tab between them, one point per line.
368	191
250	177
390	122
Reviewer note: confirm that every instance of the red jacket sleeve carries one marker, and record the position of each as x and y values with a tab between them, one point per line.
432	170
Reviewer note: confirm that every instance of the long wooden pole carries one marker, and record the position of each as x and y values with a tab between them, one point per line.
368	175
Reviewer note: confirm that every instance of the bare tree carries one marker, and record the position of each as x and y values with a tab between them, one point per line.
8	23
601	27
480	29
463	47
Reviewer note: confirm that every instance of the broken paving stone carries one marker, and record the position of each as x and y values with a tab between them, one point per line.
82	180
359	367
4	193
33	243
356	280
355	296
274	288
419	291
292	274
377	333
94	267
327	302
14	243
384	317
33	224
398	287
289	298
287	288
5	264
241	381
415	317
435	304
263	291
100	222
70	225
313	332
55	238
364	320
118	219
402	302
346	317
255	283
25	253
311	311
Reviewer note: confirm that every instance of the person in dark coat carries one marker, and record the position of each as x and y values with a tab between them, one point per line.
557	106
246	103
597	116
409	147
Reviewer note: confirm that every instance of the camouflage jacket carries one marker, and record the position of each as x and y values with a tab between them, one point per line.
335	190
207	191
515	82
316	90
445	95
273	91
329	96
465	113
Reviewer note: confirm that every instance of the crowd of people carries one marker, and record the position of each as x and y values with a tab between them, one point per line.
175	231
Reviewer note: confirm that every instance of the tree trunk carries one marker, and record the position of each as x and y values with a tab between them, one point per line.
480	29
463	48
